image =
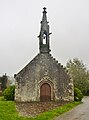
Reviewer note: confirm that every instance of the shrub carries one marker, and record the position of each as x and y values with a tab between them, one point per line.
9	93
77	94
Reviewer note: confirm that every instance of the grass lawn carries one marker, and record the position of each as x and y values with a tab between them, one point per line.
8	111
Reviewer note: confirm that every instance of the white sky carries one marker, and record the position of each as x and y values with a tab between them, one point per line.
20	26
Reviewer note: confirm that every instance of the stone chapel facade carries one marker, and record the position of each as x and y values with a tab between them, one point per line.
43	79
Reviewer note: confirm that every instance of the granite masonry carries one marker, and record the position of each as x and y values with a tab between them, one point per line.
43	79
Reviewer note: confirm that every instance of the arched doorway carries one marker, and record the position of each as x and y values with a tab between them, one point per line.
45	92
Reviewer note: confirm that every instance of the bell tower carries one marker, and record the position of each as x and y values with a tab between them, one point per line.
44	42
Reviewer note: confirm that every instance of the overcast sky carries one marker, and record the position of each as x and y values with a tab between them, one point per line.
20	26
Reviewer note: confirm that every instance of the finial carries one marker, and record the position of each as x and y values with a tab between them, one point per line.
44	10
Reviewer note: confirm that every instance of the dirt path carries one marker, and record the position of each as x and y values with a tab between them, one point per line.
81	112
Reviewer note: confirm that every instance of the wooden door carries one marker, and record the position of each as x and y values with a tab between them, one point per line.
45	92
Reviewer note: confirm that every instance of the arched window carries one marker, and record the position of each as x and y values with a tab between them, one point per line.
44	39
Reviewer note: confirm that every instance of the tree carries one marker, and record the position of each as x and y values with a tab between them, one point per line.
77	94
3	81
9	93
10	81
79	74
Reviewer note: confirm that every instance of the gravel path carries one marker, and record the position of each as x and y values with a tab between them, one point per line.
81	112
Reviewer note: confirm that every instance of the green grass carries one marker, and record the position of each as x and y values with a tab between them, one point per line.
56	112
8	111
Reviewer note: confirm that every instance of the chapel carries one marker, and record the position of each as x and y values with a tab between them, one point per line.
43	79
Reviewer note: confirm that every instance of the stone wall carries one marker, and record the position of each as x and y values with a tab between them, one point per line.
33	109
43	69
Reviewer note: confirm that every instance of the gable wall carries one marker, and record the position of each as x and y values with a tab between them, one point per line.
43	69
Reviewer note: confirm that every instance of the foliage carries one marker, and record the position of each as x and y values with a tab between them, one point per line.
8	111
9	93
3	81
77	94
79	74
2	98
10	81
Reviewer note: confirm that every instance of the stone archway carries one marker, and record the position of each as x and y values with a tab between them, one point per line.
45	92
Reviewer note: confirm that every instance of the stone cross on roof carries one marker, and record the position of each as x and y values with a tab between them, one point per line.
44	10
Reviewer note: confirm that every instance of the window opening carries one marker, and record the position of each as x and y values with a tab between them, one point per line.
44	39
